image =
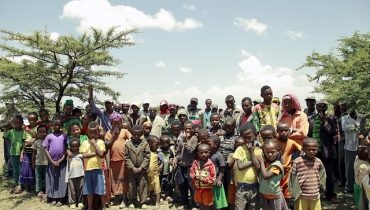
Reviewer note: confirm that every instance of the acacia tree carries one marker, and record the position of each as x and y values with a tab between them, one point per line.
54	68
343	75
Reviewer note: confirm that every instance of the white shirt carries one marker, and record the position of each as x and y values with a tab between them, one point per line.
351	128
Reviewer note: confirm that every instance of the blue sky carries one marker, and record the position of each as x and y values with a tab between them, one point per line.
206	49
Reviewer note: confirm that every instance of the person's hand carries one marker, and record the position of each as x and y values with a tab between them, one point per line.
21	158
69	153
220	133
33	165
160	169
196	177
116	130
90	89
261	159
174	163
250	147
134	170
55	164
33	134
92	141
219	183
322	117
139	170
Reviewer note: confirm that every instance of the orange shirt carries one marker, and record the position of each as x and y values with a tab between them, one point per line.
118	148
276	170
300	122
287	149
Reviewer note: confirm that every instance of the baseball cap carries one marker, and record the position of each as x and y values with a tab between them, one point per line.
310	98
194	99
214	106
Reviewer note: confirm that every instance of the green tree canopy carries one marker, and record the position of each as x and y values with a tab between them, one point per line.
53	68
343	75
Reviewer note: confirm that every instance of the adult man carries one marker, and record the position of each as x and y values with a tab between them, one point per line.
310	102
117	107
323	128
156	122
207	113
166	123
145	110
125	108
135	117
104	115
231	110
196	115
214	108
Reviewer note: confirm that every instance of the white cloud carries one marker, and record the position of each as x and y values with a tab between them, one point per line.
294	35
54	36
189	7
177	83
253	24
161	64
186	70
245	53
101	14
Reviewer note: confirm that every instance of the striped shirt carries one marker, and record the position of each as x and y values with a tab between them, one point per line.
307	171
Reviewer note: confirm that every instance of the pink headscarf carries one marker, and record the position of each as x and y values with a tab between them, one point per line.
295	104
115	117
160	107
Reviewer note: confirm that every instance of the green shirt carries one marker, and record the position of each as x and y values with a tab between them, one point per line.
16	140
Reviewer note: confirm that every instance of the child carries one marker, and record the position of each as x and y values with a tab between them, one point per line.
203	174
55	146
39	159
137	157
88	117
267	132
155	167
67	109
44	116
62	117
362	168
232	182
287	147
147	128
216	127
92	152
248	165
176	130
166	173
75	174
27	176
75	131
270	176
203	136
306	178
196	129
219	163
14	136
185	155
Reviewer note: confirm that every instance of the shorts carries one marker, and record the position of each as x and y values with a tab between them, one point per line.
204	196
154	184
304	204
94	182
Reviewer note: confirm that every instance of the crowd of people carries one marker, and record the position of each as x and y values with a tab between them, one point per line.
269	154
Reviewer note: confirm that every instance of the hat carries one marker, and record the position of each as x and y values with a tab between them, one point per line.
310	98
194	99
322	101
126	102
135	104
172	106
145	102
110	100
275	100
182	111
162	103
214	106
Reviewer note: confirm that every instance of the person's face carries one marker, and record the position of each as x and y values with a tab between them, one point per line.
270	151
215	120
172	112
135	109
124	125
238	142
57	124
188	129
108	105
288	105
125	108
283	131
212	145
93	133
154	144
214	110
68	110
248	136
203	138
44	116
75	146
193	104
136	134
196	131
267	134
208	104
87	108
117	108
165	143
116	123
247	107
321	108
164	106
152	111
203	153
310	103
17	124
230	103
267	95
86	120
145	107
183	118
32	119
229	128
41	133
76	131
343	109
310	149
147	129
175	130
62	117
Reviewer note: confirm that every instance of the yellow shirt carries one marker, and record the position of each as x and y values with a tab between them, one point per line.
153	164
92	162
248	175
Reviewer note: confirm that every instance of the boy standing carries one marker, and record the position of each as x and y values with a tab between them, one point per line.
266	112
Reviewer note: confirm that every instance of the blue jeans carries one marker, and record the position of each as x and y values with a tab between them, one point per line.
16	168
9	168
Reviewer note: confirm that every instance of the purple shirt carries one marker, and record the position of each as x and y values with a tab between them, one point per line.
56	142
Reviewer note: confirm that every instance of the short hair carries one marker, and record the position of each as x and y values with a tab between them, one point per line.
93	124
239	138
43	110
18	117
215	114
282	123
76	110
152	138
32	113
164	136
362	152
203	146
208	99
265	87
196	126
92	115
268	128
203	131
73	124
309	141
247	99
188	122
247	126
216	140
230	120
229	97
42	126
56	118
277	145
176	123
136	128
74	139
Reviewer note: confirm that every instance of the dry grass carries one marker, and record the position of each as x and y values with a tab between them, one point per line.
12	201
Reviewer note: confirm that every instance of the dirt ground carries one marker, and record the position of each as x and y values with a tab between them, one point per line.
31	201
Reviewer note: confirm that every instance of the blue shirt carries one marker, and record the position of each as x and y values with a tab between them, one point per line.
104	116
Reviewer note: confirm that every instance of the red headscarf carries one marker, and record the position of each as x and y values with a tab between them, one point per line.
160	107
295	104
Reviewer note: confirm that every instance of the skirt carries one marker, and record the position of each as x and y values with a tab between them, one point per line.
27	175
56	187
118	177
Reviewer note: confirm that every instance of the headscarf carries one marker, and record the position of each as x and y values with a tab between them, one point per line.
68	102
182	111
136	104
160	107
295	104
115	117
147	123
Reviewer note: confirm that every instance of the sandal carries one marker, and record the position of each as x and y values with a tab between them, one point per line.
18	189
161	202
59	204
53	203
169	199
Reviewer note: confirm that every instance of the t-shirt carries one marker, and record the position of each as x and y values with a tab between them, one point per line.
167	156
57	143
248	175
94	162
287	149
41	158
75	167
266	114
27	136
15	137
217	160
118	148
194	116
275	170
82	139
